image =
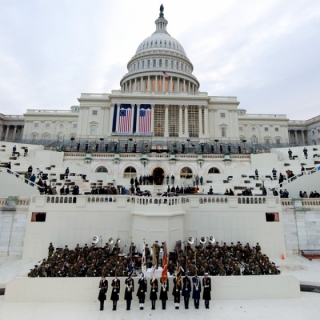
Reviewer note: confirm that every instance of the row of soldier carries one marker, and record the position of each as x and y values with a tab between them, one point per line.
182	286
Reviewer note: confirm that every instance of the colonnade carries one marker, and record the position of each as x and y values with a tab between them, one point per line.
192	121
9	132
295	135
160	84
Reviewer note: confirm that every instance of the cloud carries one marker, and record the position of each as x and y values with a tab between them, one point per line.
263	52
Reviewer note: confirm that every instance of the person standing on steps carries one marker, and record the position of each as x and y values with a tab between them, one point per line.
206	282
115	284
164	288
103	285
142	290
128	292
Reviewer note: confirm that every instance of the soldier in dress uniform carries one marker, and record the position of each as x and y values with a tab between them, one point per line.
196	290
164	288
153	292
176	291
186	290
206	282
128	292
142	290
103	286
115	284
50	249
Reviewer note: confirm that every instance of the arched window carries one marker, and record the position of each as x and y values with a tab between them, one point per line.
102	169
213	170
154	63
143	64
166	64
130	172
138	65
186	173
181	66
148	63
177	65
171	64
165	43
160	63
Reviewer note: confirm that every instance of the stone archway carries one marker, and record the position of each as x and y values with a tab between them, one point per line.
158	175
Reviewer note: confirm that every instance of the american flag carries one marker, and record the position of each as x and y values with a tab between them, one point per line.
165	74
125	118
164	274
145	119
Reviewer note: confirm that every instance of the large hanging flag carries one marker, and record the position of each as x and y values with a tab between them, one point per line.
145	118
164	274
125	117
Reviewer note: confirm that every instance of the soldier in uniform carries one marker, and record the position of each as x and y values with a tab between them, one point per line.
142	290
128	292
50	249
115	284
186	291
176	291
196	290
153	292
147	252
206	282
103	286
164	288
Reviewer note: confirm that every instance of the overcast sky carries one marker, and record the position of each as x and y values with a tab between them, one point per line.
267	53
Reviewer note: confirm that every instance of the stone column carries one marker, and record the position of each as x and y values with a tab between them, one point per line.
200	121
184	85
303	139
163	79
166	121
296	136
7	133
111	110
189	86
178	85
149	84
135	84
180	121
156	88
14	132
186	123
206	121
141	84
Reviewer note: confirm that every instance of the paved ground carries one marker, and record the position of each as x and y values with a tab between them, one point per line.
306	307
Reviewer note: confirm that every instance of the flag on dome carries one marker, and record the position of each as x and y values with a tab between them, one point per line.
165	74
125	118
145	118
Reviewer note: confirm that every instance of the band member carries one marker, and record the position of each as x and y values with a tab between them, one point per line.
103	285
128	292
142	290
115	292
164	288
196	291
153	293
176	291
186	291
206	282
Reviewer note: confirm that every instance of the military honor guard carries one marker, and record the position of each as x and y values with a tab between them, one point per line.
128	292
176	292
164	288
103	286
206	282
142	290
196	290
153	292
186	290
115	292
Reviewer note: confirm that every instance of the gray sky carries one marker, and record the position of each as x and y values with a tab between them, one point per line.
267	53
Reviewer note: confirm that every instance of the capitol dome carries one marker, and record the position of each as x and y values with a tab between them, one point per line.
160	64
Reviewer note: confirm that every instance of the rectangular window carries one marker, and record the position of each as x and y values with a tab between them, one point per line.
272	216
47	125
36	125
222	115
276	129
193	121
94	112
38	216
223	132
74	126
173	121
93	130
159	119
266	129
277	141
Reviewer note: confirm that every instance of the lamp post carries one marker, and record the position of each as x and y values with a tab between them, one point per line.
244	143
216	141
72	138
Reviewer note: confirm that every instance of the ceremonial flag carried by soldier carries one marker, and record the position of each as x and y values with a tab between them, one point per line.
164	274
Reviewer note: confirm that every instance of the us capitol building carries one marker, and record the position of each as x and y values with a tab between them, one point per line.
158	124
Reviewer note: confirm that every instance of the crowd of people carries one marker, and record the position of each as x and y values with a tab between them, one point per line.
313	194
214	259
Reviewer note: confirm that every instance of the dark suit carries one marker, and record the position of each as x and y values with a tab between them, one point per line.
196	291
128	292
115	284
142	290
186	291
103	285
176	292
206	282
164	288
153	293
